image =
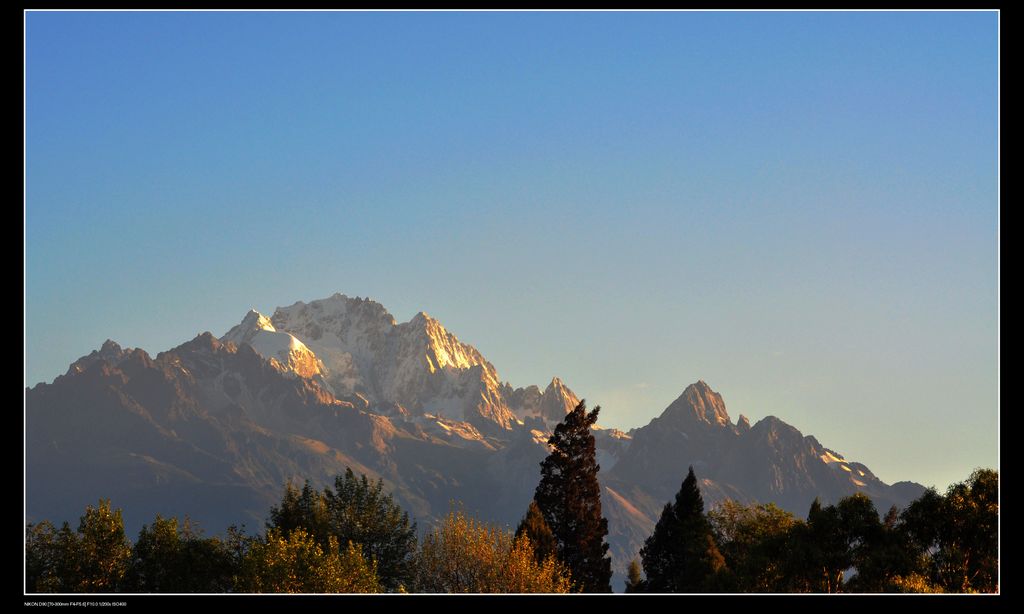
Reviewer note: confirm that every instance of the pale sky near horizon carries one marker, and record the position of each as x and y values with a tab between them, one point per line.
800	208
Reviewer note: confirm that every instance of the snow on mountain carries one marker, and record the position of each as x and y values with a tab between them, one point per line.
289	353
418	365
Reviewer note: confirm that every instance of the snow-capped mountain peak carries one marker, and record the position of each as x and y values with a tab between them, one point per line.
252	323
418	364
289	353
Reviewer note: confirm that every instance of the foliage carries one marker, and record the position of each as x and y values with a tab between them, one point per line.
538	532
913	583
957	534
634	577
168	558
49	558
681	555
939	543
569	497
833	540
464	555
297	564
357	511
92	560
305	509
754	541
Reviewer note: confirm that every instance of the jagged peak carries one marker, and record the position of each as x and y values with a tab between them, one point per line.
701	402
291	354
558	387
423	321
252	323
203	341
700	387
110	346
422	316
432	327
257	319
110	352
772	425
340	303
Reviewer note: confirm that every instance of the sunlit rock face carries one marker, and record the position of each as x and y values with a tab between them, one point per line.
417	364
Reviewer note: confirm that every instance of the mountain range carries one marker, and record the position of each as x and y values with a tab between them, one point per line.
215	427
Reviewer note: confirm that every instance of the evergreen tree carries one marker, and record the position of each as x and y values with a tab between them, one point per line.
539	533
305	509
569	497
681	555
634	577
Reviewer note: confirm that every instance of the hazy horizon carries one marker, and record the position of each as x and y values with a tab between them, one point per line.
801	209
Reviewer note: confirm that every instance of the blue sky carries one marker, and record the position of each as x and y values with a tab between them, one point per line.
799	208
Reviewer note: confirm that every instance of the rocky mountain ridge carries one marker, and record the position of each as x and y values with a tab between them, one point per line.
215	427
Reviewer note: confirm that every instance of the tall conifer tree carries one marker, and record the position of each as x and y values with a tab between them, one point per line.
569	497
681	555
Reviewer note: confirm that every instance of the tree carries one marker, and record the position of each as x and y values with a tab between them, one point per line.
754	541
634	577
92	560
156	564
879	550
305	509
357	511
958	534
43	552
819	552
837	538
297	564
539	533
865	536
681	555
168	558
464	555
569	498
104	550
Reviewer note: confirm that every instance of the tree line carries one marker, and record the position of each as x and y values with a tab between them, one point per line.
938	543
355	538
